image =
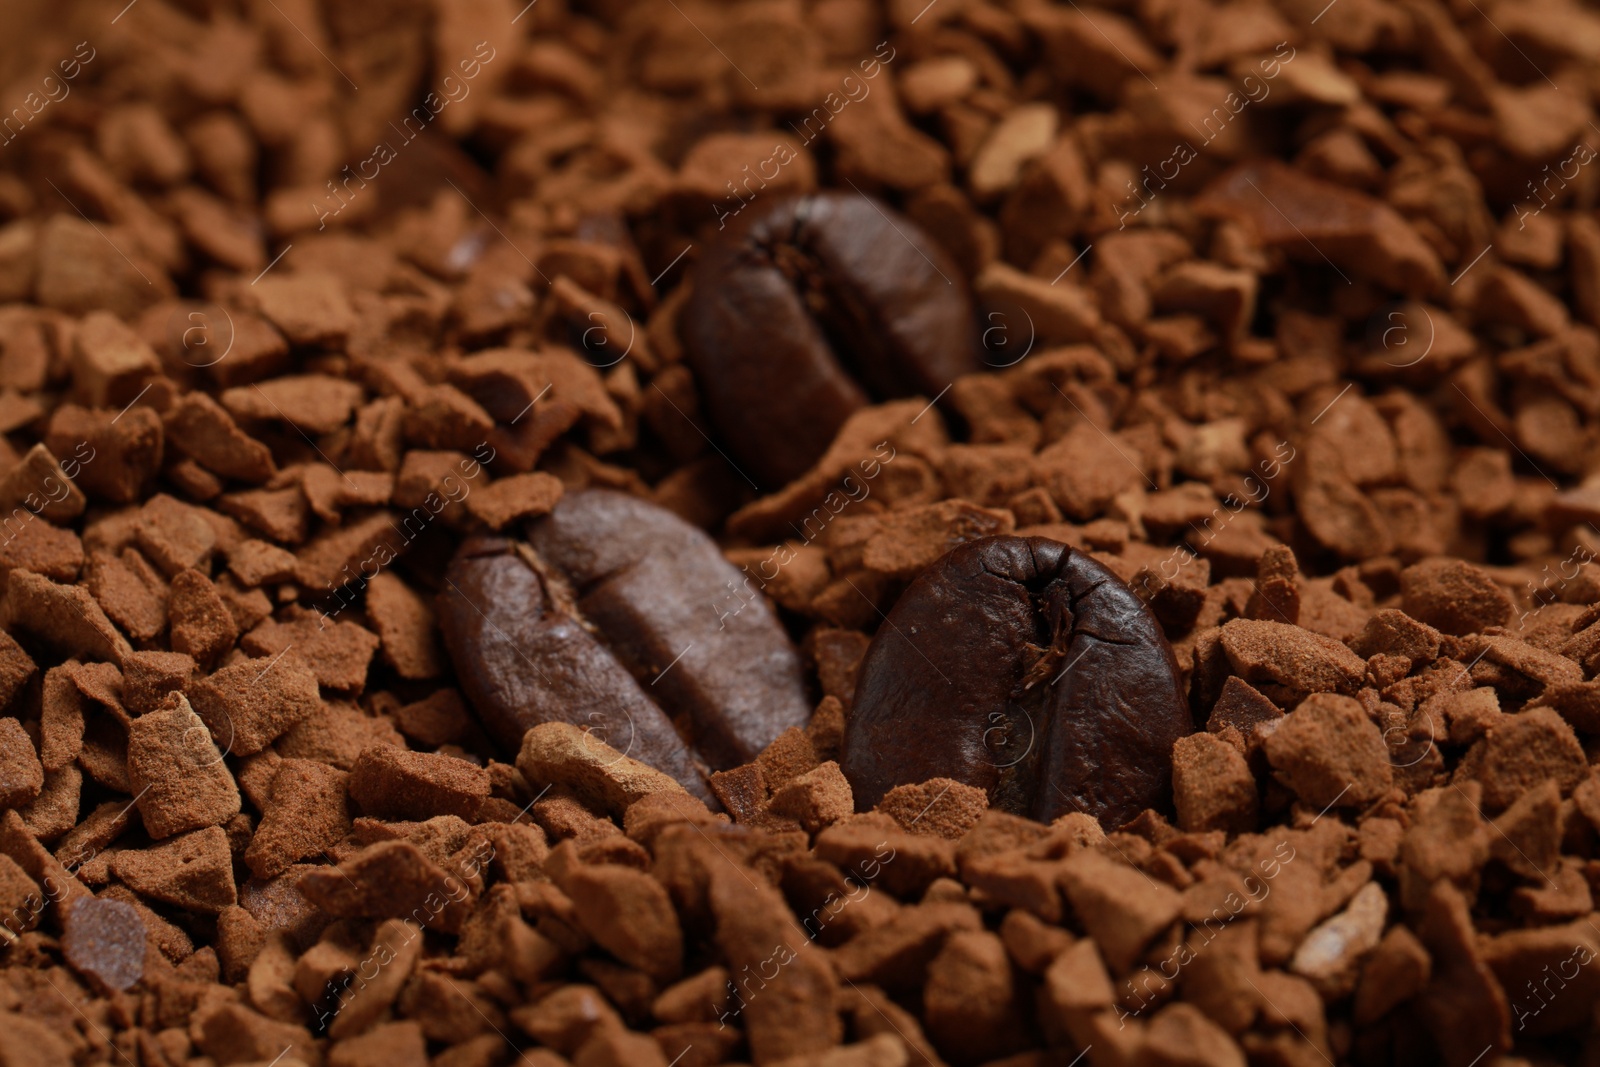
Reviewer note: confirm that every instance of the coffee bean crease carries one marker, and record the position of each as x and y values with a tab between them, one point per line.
1023	667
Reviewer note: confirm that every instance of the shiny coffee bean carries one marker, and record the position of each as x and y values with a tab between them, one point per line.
1023	667
606	616
809	307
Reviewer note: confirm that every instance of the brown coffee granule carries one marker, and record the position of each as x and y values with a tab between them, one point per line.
701	997
21	903
1396	971
895	954
177	771
130	591
55	810
21	774
629	914
520	850
1527	836
280	514
109	361
127	448
742	791
247	606
1241	707
906	543
1329	752
838	654
1453	596
562	755
100	683
199	427
941	807
388	880
256	563
66	616
314	403
36	482
566	1017
337	736
564	817
790	756
816	799
250	703
392	783
1447	840
303	816
201	625
337	652
438	719
794	1012
1290	659
1396	633
874	848
972	1002
1519	752
520	496
174	536
16	668
234	1033
1122	908
104	756
406	627
61	890
1033	943
149	676
104	940
1212	786
1527	670
395	1044
1463	1004
335	556
61	719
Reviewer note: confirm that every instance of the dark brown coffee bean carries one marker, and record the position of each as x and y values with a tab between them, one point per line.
613	615
809	307
1023	667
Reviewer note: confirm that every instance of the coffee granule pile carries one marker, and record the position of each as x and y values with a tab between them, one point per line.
799	533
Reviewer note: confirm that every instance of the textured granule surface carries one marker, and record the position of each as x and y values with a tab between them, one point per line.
1284	314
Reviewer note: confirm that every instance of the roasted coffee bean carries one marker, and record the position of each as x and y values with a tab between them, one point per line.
1023	667
810	307
606	616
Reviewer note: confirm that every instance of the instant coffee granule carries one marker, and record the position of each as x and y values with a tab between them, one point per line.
801	533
